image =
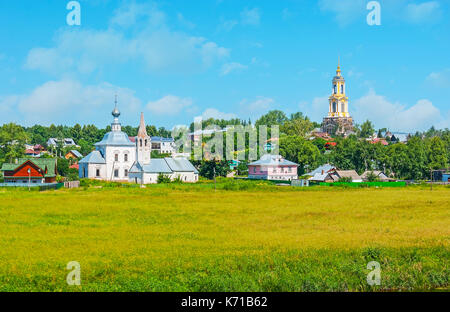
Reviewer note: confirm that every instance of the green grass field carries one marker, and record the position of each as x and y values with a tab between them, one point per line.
242	237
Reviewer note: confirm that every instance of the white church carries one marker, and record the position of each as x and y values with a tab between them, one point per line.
117	158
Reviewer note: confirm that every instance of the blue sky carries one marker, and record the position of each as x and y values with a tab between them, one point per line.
175	60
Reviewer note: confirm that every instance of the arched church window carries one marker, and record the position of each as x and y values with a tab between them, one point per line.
342	107
335	89
145	142
342	89
140	142
334	107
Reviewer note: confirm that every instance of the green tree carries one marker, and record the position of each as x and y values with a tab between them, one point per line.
12	141
437	154
274	117
301	151
207	168
63	167
367	129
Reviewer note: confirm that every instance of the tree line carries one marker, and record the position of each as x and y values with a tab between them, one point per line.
423	152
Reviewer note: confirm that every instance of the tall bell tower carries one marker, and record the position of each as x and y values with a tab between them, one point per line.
143	144
338	120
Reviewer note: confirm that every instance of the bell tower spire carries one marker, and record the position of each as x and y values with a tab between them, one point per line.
143	143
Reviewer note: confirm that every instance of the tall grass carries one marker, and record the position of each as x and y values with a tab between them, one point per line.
243	236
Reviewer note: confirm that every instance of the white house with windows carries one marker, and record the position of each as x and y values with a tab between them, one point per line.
117	158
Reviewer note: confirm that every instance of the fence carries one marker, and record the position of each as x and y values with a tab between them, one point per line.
40	187
366	184
72	184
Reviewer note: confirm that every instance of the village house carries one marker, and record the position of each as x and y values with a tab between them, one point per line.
73	154
54	142
321	173
379	174
26	170
330	174
337	175
273	167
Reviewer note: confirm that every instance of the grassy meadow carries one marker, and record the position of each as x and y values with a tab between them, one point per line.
246	236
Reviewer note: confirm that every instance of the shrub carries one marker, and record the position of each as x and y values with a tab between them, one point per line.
162	178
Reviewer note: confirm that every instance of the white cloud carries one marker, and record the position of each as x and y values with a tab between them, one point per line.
256	107
232	67
440	79
396	116
53	101
150	42
216	114
169	105
227	25
346	11
251	17
423	12
315	110
184	22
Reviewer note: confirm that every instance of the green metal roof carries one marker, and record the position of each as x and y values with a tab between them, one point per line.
42	163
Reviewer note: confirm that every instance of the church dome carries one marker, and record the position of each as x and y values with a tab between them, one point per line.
115	138
116	112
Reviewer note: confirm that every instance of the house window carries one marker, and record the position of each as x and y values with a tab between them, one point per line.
116	157
125	157
126	172
116	173
97	172
290	169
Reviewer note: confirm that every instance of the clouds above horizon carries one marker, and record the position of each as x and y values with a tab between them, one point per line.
169	105
53	101
152	43
348	11
396	116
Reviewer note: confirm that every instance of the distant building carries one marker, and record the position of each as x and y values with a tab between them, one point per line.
446	177
73	154
117	158
26	170
34	150
53	142
273	167
378	141
338	120
336	175
379	174
321	170
163	145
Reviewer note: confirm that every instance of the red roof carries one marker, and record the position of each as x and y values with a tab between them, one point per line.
378	140
132	139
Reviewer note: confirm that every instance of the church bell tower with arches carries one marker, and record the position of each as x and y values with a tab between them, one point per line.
338	120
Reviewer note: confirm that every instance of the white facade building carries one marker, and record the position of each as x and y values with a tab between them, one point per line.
117	158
